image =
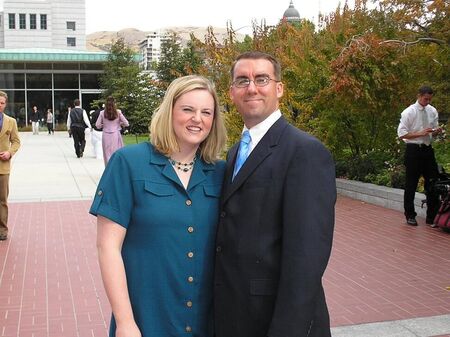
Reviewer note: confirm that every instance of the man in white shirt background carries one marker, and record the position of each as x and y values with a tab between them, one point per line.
418	125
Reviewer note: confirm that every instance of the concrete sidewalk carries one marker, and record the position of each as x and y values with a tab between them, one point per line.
47	169
384	279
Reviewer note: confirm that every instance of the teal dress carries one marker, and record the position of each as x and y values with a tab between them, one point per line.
168	250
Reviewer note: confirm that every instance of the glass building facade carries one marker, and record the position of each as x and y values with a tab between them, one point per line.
49	80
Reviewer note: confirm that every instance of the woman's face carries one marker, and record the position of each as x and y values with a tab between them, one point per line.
192	118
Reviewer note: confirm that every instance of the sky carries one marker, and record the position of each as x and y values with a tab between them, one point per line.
148	15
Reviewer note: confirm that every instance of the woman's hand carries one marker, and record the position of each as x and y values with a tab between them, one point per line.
128	330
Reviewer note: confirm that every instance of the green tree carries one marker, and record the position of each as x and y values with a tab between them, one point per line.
169	66
347	81
176	61
135	92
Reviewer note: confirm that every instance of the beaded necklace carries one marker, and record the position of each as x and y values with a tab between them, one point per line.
185	167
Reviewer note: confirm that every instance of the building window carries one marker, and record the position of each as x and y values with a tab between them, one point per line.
32	21
22	21
43	21
71	42
70	25
12	20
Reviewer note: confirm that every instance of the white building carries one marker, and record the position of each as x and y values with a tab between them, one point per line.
43	58
150	48
57	24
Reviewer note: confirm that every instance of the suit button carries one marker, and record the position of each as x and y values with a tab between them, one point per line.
190	279
190	229
190	255
189	304
222	214
100	192
188	329
218	249
188	202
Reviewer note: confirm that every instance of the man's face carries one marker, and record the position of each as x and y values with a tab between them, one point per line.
255	103
424	99
2	104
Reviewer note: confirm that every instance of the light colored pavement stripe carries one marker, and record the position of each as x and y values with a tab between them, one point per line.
47	169
416	327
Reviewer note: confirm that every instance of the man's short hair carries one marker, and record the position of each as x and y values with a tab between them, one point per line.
257	55
425	90
76	102
4	94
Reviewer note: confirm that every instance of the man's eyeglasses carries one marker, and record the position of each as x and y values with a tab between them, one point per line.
259	81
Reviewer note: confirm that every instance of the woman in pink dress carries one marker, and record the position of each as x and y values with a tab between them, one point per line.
111	121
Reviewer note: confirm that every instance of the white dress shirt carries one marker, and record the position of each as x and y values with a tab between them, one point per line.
259	130
412	120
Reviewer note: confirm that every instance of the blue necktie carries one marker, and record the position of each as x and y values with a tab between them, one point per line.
244	150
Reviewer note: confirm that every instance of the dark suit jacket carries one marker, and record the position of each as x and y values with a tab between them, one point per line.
274	238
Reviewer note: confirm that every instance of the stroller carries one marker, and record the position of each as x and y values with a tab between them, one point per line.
441	186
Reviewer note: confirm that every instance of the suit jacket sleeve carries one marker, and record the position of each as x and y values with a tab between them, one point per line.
308	221
123	121
14	138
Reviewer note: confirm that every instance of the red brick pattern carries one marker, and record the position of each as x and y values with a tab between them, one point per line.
50	283
380	270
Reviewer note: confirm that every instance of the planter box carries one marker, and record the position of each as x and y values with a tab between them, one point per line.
378	195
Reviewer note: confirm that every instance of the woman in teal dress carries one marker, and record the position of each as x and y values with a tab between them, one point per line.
157	207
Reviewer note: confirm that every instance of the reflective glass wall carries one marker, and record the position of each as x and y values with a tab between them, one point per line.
48	86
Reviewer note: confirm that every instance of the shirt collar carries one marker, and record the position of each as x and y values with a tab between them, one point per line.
420	106
259	130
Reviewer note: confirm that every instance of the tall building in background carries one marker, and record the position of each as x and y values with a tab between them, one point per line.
150	48
44	61
57	24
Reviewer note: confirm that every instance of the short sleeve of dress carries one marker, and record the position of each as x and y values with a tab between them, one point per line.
114	196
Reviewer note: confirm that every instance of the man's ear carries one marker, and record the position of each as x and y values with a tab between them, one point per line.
280	89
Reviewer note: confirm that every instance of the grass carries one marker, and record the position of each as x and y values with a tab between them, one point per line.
134	139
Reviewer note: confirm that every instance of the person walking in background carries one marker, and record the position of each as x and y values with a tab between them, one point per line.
157	206
276	223
34	118
418	125
50	122
9	144
77	121
96	134
111	121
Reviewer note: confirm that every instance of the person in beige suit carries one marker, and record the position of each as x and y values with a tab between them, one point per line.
9	144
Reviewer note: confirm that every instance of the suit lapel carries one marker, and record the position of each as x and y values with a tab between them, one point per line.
5	125
198	175
263	150
166	168
231	159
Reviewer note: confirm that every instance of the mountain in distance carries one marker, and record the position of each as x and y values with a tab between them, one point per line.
101	41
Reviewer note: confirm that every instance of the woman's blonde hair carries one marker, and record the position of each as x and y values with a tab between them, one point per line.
162	135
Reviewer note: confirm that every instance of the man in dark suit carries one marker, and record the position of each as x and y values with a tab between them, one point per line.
277	216
77	122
